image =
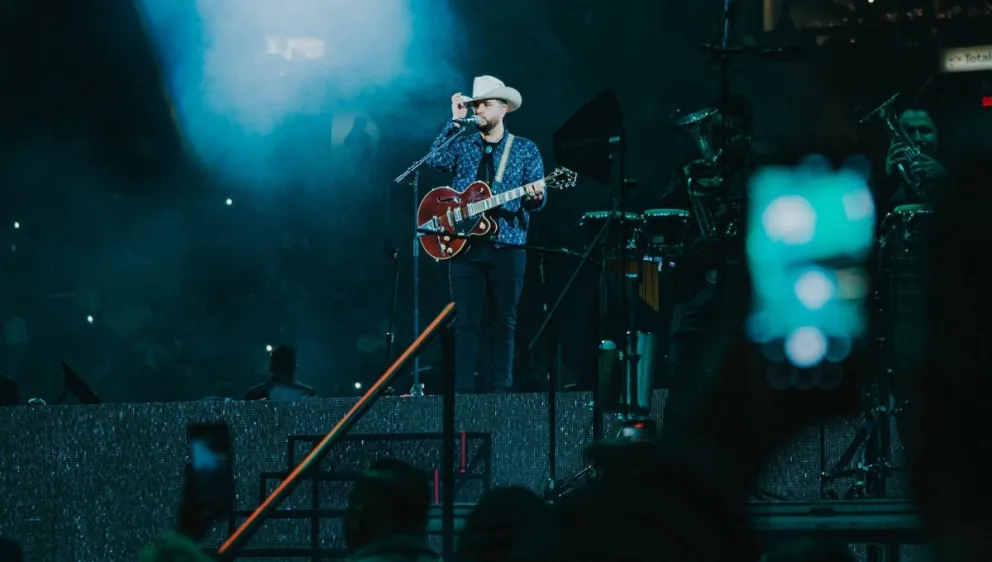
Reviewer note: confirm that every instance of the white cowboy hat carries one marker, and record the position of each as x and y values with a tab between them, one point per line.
491	88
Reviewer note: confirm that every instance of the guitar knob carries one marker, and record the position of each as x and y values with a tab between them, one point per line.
447	239
449	250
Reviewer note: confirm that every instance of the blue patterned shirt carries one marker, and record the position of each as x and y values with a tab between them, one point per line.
524	165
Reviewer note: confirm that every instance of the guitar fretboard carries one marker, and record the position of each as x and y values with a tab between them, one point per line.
498	199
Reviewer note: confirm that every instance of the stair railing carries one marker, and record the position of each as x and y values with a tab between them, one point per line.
244	533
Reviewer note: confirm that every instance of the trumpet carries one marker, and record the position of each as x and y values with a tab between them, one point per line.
693	125
885	115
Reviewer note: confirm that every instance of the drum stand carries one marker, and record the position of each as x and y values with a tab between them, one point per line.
630	356
872	437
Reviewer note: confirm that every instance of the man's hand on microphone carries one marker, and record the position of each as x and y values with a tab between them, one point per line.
458	108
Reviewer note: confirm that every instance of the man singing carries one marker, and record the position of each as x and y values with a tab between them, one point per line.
490	272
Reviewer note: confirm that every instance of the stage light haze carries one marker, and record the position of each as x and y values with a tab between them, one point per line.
255	84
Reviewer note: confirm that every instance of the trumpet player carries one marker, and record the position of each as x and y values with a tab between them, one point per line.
912	171
710	187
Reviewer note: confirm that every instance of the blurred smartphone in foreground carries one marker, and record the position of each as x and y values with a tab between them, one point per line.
209	487
811	230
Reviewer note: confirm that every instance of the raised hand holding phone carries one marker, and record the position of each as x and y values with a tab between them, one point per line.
810	232
208	493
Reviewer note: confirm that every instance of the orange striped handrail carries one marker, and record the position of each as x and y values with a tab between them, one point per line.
247	529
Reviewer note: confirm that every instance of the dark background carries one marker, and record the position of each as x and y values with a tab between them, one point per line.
123	219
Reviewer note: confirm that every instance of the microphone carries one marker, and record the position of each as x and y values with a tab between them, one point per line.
473	120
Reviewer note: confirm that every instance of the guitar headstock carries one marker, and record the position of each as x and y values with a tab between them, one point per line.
561	178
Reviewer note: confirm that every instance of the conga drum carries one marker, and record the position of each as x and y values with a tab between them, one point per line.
618	240
904	236
665	231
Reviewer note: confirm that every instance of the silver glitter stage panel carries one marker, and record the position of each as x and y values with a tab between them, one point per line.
97	483
29	469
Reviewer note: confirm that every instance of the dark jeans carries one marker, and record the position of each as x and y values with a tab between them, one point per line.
486	277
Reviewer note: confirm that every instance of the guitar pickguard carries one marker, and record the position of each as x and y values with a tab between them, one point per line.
468	227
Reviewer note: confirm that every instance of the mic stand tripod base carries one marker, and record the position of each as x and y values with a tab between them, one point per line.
554	493
634	429
863	474
417	390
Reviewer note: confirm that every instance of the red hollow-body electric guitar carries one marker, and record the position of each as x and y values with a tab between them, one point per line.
447	218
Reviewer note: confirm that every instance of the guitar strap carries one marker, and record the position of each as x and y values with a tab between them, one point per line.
498	180
503	159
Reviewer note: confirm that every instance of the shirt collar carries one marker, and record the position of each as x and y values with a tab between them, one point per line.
476	139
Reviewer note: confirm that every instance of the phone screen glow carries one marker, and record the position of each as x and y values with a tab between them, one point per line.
811	230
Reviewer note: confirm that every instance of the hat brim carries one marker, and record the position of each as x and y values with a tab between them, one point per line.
510	96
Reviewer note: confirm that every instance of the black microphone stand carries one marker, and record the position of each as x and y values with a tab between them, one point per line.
394	254
632	356
418	389
554	343
598	242
554	376
724	54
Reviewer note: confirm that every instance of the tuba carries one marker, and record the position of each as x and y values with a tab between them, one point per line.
885	115
693	124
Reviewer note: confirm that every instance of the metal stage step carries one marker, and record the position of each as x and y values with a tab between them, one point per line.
851	521
433	528
317	511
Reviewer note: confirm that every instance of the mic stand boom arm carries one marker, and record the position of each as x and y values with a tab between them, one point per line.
416	165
